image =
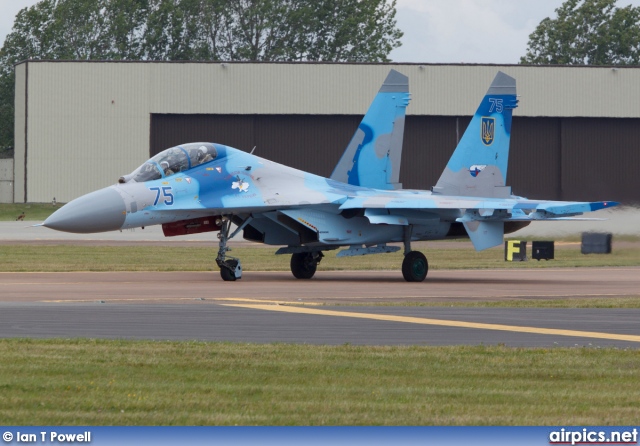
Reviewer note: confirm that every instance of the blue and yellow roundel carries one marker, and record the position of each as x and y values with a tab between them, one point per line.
487	130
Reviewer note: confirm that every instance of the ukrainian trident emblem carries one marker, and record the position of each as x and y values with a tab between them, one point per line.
487	130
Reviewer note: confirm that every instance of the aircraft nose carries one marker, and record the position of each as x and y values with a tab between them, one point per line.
100	211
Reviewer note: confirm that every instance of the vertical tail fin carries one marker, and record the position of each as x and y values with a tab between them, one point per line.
478	166
372	158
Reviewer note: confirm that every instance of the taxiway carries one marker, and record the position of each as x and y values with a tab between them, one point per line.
332	308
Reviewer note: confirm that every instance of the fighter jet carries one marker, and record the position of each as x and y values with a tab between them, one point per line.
360	209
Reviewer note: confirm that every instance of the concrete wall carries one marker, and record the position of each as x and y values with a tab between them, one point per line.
20	140
6	181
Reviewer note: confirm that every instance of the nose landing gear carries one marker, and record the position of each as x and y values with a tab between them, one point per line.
230	267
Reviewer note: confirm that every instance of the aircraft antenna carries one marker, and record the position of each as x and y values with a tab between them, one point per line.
254	148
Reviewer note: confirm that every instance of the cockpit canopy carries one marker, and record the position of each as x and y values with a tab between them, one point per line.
173	160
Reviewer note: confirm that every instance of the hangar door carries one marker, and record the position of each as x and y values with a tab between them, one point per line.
313	143
310	143
550	158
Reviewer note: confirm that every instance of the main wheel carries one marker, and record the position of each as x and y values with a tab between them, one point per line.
303	265
415	267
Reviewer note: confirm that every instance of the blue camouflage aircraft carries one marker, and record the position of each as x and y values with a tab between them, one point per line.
201	187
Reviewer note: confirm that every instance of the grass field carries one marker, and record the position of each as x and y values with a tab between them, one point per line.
89	382
31	211
54	258
105	382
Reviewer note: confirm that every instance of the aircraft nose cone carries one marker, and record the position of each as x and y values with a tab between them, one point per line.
100	211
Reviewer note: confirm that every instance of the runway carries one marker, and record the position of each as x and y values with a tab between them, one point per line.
216	322
274	307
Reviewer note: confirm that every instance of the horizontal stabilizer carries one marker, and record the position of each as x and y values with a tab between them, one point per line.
559	208
576	219
536	217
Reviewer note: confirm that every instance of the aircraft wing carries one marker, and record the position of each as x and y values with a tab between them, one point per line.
516	207
483	218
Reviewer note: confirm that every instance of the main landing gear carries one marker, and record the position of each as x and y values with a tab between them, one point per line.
414	266
304	264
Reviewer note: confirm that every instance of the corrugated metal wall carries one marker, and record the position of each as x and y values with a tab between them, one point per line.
6	181
428	144
551	158
82	124
535	170
20	141
601	158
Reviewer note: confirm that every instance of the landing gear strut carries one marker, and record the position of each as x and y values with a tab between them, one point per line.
414	266
230	267
304	264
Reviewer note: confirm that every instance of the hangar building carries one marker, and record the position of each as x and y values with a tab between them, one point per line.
80	125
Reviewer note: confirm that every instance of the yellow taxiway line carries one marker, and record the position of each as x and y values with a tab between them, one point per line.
439	322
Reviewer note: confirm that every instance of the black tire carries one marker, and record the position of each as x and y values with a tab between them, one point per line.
415	267
303	265
227	275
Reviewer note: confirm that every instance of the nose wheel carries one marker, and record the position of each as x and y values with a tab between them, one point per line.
230	270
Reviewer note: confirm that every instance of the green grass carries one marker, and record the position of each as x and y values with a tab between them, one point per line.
91	382
103	382
57	258
31	211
